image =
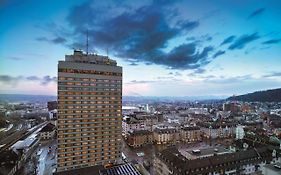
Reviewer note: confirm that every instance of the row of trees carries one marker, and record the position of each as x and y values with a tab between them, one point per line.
2	120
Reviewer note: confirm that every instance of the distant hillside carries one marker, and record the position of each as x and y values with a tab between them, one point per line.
16	98
273	95
170	98
146	99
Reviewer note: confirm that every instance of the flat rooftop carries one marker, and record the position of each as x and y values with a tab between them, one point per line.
79	56
272	168
204	152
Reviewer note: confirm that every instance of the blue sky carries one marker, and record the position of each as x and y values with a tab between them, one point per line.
166	48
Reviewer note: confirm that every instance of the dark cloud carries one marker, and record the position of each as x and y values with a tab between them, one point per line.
23	56
130	33
178	74
141	32
42	39
133	34
187	25
199	71
190	38
250	50
56	40
243	40
174	73
273	74
206	37
7	79
228	80
218	53
16	58
272	41
33	78
256	12
143	36
200	39
162	79
228	40
185	56
48	79
140	82
133	64
166	79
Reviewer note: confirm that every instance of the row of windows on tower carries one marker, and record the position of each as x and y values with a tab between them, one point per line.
77	71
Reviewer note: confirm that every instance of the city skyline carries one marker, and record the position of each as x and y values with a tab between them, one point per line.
166	48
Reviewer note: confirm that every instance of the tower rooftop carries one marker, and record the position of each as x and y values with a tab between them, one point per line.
79	56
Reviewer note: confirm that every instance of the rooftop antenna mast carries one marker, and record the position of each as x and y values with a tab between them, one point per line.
107	52
87	44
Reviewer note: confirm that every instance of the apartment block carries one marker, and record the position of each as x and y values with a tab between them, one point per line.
190	134
89	111
171	161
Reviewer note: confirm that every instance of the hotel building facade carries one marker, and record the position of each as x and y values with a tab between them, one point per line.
89	111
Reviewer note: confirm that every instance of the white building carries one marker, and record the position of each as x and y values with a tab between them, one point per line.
47	132
240	132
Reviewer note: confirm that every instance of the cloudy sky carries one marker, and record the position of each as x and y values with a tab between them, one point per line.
166	48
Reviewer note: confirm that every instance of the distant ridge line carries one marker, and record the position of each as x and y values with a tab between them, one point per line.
271	95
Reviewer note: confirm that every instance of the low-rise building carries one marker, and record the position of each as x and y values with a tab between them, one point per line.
26	146
205	152
166	135
240	133
272	169
140	121
231	106
190	134
139	138
51	105
47	132
171	161
218	130
10	162
131	125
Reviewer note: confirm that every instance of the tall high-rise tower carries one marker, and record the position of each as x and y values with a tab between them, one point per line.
89	111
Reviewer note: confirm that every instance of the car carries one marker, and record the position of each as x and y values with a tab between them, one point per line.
39	152
196	151
54	170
